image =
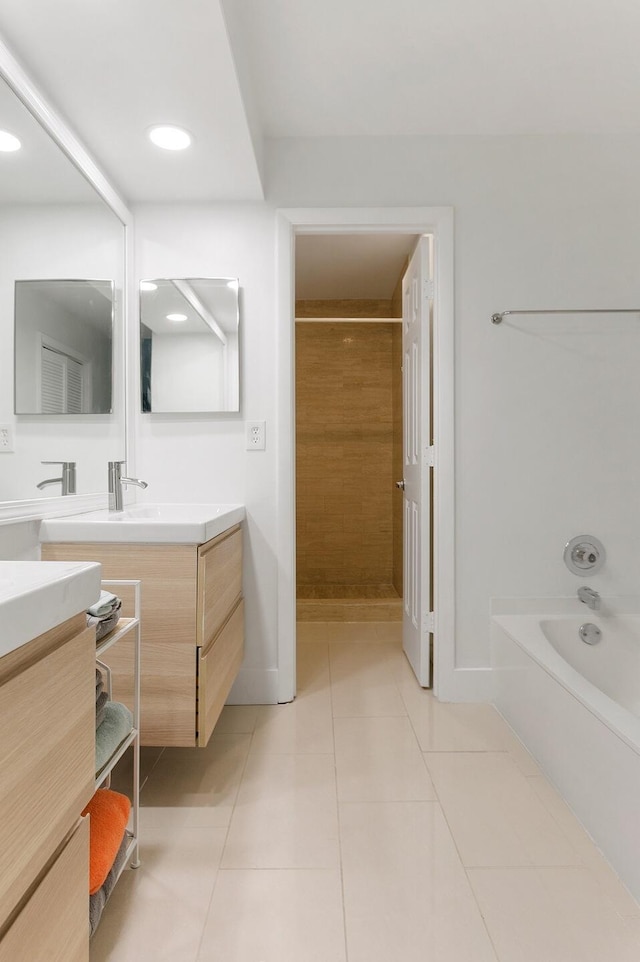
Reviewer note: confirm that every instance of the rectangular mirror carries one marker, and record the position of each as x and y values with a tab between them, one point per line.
63	347
189	359
55	226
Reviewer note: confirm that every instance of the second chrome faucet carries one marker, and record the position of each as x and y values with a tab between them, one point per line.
116	481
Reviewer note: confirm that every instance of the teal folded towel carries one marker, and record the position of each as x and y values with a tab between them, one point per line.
117	723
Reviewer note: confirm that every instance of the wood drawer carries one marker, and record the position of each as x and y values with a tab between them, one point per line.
53	925
217	668
219	582
167	631
47	758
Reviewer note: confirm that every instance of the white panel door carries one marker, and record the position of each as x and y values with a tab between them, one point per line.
417	306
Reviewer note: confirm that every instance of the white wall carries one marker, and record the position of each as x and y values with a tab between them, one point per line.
545	425
545	428
202	458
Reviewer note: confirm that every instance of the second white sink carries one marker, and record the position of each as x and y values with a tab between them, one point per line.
35	596
149	523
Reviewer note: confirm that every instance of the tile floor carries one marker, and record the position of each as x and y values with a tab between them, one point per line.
365	822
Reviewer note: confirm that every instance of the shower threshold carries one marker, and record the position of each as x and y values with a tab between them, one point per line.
348	603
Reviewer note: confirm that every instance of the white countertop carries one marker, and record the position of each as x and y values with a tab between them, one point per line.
35	596
146	524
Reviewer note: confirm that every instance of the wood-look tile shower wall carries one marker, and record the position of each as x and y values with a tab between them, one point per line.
345	379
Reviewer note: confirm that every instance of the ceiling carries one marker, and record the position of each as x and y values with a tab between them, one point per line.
350	266
235	72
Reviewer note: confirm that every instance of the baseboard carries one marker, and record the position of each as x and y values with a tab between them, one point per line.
259	686
467	685
255	686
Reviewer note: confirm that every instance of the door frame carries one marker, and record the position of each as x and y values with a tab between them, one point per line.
437	221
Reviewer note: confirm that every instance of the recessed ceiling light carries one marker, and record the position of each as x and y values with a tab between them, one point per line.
148	286
170	138
176	317
8	142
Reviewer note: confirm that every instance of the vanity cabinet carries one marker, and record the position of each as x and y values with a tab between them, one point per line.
192	634
47	762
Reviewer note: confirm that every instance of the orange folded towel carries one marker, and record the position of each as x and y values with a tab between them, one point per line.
109	813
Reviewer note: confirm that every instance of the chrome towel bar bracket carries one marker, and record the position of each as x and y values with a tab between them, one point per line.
497	318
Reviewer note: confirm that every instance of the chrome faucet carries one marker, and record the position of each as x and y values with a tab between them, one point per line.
68	479
115	485
590	597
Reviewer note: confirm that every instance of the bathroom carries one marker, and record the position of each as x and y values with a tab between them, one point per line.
543	433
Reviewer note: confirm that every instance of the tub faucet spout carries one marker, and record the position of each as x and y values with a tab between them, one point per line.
590	597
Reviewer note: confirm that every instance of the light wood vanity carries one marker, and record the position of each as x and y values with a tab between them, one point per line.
192	639
47	771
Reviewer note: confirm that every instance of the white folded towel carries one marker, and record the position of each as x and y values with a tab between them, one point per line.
103	605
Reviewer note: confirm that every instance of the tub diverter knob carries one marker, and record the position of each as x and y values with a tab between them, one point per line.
584	555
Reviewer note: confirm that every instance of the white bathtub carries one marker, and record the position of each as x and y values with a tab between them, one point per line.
576	707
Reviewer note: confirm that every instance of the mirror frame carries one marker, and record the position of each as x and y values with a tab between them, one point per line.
14	75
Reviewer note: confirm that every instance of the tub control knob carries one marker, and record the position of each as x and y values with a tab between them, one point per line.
584	555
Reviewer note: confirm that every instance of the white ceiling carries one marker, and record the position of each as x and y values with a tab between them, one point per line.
419	67
235	71
114	69
350	266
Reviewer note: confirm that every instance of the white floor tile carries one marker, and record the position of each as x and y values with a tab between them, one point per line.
351	698
363	680
446	727
202	778
286	814
237	720
389	631
367	780
311	631
495	816
312	667
304	726
378	759
275	916
552	914
406	894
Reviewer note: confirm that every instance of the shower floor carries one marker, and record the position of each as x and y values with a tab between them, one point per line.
348	603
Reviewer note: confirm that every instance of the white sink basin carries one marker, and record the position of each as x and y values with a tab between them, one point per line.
35	596
148	523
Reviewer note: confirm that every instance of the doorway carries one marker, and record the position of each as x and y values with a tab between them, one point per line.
348	404
291	225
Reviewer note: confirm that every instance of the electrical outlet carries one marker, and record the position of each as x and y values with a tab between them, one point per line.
6	439
255	435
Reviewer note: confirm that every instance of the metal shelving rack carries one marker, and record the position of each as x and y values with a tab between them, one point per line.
124	627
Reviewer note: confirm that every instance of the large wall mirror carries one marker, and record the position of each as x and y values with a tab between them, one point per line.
189	360
62	270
